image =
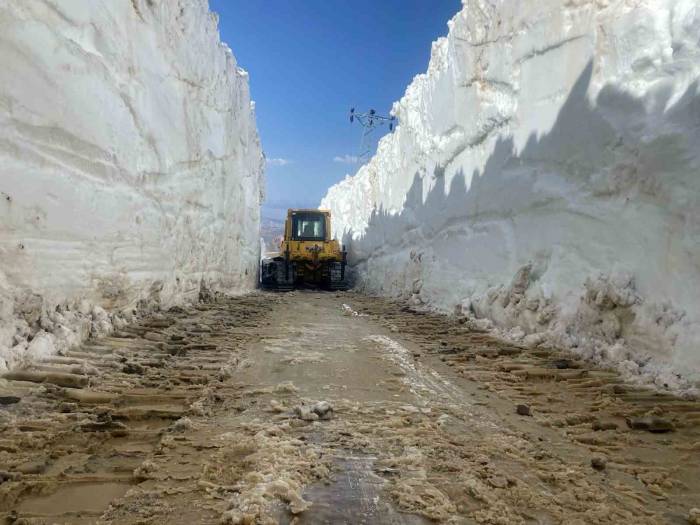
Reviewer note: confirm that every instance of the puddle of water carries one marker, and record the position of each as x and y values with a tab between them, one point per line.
78	497
354	496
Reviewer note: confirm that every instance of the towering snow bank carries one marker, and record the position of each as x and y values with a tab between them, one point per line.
545	176
130	165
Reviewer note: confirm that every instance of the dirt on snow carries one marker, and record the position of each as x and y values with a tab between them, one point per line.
312	407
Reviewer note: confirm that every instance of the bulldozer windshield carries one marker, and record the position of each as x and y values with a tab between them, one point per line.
308	227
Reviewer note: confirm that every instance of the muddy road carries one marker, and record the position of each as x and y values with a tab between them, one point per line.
315	407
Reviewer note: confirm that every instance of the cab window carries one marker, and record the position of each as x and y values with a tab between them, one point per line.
308	227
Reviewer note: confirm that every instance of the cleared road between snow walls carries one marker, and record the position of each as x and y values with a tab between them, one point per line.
544	179
131	169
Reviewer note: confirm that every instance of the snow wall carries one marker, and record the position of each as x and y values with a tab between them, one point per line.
130	166
545	179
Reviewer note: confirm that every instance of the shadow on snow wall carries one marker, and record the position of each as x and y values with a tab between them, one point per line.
612	189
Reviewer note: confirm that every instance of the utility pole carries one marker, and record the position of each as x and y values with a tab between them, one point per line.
369	122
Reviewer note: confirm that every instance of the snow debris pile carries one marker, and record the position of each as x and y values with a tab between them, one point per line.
281	466
320	410
131	167
543	180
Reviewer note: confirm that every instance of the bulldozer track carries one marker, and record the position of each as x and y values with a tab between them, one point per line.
79	440
192	416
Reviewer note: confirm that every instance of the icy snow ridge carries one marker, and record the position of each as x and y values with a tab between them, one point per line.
545	179
131	166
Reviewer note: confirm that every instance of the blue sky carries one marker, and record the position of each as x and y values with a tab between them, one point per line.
309	62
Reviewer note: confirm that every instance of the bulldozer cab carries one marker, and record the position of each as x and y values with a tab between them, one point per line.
307	226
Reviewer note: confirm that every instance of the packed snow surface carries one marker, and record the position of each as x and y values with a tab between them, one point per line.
131	166
545	179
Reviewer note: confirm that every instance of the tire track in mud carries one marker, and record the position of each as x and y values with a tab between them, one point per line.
203	415
594	449
83	428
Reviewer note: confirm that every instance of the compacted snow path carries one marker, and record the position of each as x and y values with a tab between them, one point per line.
314	407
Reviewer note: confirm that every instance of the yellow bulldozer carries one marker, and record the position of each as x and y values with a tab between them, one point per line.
307	256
